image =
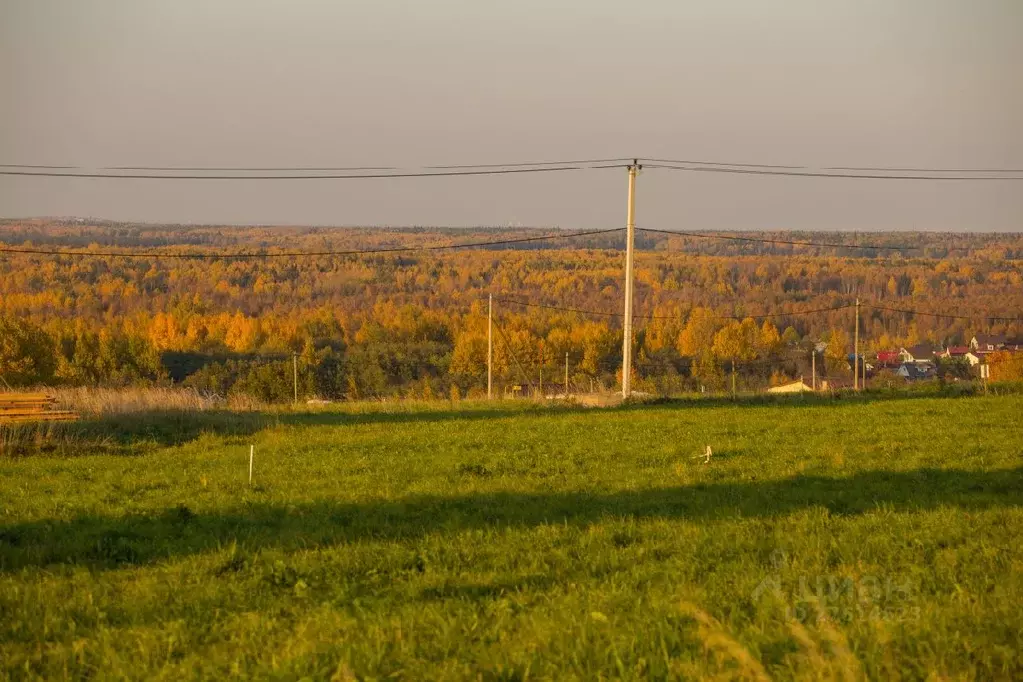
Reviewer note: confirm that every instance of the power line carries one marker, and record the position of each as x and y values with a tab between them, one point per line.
645	161
22	165
298	169
789	313
680	164
793	313
175	169
344	176
885	169
572	162
581	311
819	174
764	240
945	315
515	356
925	170
602	313
305	254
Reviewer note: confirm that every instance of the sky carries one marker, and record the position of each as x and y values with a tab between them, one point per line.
907	83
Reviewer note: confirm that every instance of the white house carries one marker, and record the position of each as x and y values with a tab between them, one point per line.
793	387
919	353
974	358
987	343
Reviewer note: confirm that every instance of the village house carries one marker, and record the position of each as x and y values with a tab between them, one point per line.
920	353
983	345
987	343
791	387
955	352
888	359
915	371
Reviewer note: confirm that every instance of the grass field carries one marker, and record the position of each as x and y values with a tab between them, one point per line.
826	539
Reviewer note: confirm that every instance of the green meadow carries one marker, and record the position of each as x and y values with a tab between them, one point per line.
848	538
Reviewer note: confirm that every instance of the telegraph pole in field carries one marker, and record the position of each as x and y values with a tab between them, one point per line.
566	375
490	348
856	350
294	368
863	379
541	370
813	363
630	225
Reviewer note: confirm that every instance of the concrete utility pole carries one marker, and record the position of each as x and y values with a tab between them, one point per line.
294	372
630	224
856	350
490	348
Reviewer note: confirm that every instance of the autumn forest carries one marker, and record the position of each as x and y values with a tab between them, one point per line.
414	323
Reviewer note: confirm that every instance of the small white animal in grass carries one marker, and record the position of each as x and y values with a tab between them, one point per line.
706	455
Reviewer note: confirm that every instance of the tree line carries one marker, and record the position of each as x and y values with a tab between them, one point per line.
415	323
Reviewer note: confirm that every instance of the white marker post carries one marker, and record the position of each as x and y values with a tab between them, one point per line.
252	454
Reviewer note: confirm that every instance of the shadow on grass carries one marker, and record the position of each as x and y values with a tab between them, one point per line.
119	433
109	542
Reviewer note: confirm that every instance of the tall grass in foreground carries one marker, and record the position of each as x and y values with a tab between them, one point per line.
90	401
21	438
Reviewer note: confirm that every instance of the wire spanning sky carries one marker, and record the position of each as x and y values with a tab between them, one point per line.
235	83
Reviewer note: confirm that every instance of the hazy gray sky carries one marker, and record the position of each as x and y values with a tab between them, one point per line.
385	82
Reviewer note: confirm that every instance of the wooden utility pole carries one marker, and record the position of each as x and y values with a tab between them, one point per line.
541	370
856	350
630	238
294	368
566	375
863	382
490	348
813	363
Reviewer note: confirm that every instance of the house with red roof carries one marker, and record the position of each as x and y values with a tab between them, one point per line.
888	358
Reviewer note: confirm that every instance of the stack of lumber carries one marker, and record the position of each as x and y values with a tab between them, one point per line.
26	407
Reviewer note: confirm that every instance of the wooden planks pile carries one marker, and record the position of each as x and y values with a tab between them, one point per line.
27	407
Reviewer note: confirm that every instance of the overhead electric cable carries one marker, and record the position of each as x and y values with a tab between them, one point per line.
344	176
945	315
879	169
819	174
304	254
765	240
602	313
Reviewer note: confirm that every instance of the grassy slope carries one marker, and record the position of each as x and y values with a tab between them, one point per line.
555	543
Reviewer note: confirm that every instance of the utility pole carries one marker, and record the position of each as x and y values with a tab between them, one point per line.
813	363
630	225
490	348
541	370
863	379
294	368
856	350
566	375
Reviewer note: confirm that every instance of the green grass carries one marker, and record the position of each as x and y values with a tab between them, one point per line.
516	542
